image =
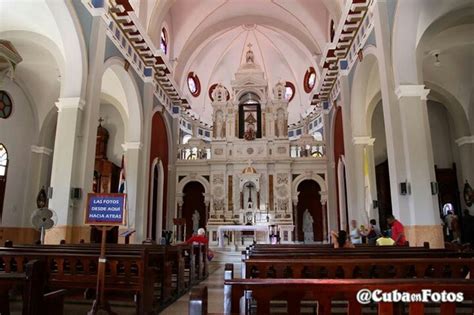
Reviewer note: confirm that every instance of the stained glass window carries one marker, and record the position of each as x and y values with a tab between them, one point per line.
164	41
6	105
3	160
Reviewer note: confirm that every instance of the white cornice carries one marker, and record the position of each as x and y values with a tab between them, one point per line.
465	140
70	103
41	150
412	90
363	140
132	146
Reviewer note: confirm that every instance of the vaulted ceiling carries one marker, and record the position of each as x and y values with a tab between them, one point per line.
210	37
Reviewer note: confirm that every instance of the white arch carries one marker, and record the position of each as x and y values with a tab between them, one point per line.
412	20
133	108
312	176
74	77
159	210
188	179
359	104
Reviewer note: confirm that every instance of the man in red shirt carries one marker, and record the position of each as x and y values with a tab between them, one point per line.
398	231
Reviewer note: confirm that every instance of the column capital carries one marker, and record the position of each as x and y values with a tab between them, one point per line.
70	103
132	146
412	90
465	140
363	140
41	150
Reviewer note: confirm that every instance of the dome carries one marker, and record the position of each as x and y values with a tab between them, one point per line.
249	170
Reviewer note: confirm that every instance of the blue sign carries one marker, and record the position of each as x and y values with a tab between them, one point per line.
105	209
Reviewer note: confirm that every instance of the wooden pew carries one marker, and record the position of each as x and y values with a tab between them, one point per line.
198	301
168	263
359	268
294	291
35	300
130	273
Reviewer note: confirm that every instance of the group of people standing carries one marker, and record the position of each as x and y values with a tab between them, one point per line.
371	235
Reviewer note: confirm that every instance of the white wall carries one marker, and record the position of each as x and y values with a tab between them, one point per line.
440	135
114	124
17	133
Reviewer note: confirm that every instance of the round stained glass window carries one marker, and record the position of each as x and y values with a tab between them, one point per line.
289	91
309	80
6	105
194	85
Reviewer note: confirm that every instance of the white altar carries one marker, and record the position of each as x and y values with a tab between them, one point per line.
239	228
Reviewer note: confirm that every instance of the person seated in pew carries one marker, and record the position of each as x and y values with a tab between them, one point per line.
398	231
356	237
374	232
199	238
340	240
385	240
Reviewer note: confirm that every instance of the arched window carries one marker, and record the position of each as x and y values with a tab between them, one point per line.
194	85
164	41
3	174
309	80
289	91
6	105
332	30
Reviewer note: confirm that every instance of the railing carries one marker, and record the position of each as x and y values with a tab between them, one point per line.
308	151
194	153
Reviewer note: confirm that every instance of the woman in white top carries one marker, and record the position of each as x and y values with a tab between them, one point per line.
356	238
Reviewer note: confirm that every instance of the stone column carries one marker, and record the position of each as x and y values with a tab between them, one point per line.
421	217
132	154
69	112
360	144
76	137
295	217
391	110
351	157
143	168
324	216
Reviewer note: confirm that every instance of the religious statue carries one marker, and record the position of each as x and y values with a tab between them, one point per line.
249	57
219	124
196	218
250	133
308	227
280	124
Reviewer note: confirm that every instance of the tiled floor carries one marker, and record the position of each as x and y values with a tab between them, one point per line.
215	291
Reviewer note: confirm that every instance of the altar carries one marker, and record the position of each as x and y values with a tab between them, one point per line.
240	228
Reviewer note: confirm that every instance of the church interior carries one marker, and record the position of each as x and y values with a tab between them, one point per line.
258	155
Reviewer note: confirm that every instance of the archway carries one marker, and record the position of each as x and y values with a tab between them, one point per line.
382	174
156	187
339	167
309	197
158	151
193	201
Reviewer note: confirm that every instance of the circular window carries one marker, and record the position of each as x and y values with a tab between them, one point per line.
309	80
211	90
194	85
289	91
5	105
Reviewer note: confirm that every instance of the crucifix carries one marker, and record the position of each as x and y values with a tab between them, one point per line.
249	201
100	121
